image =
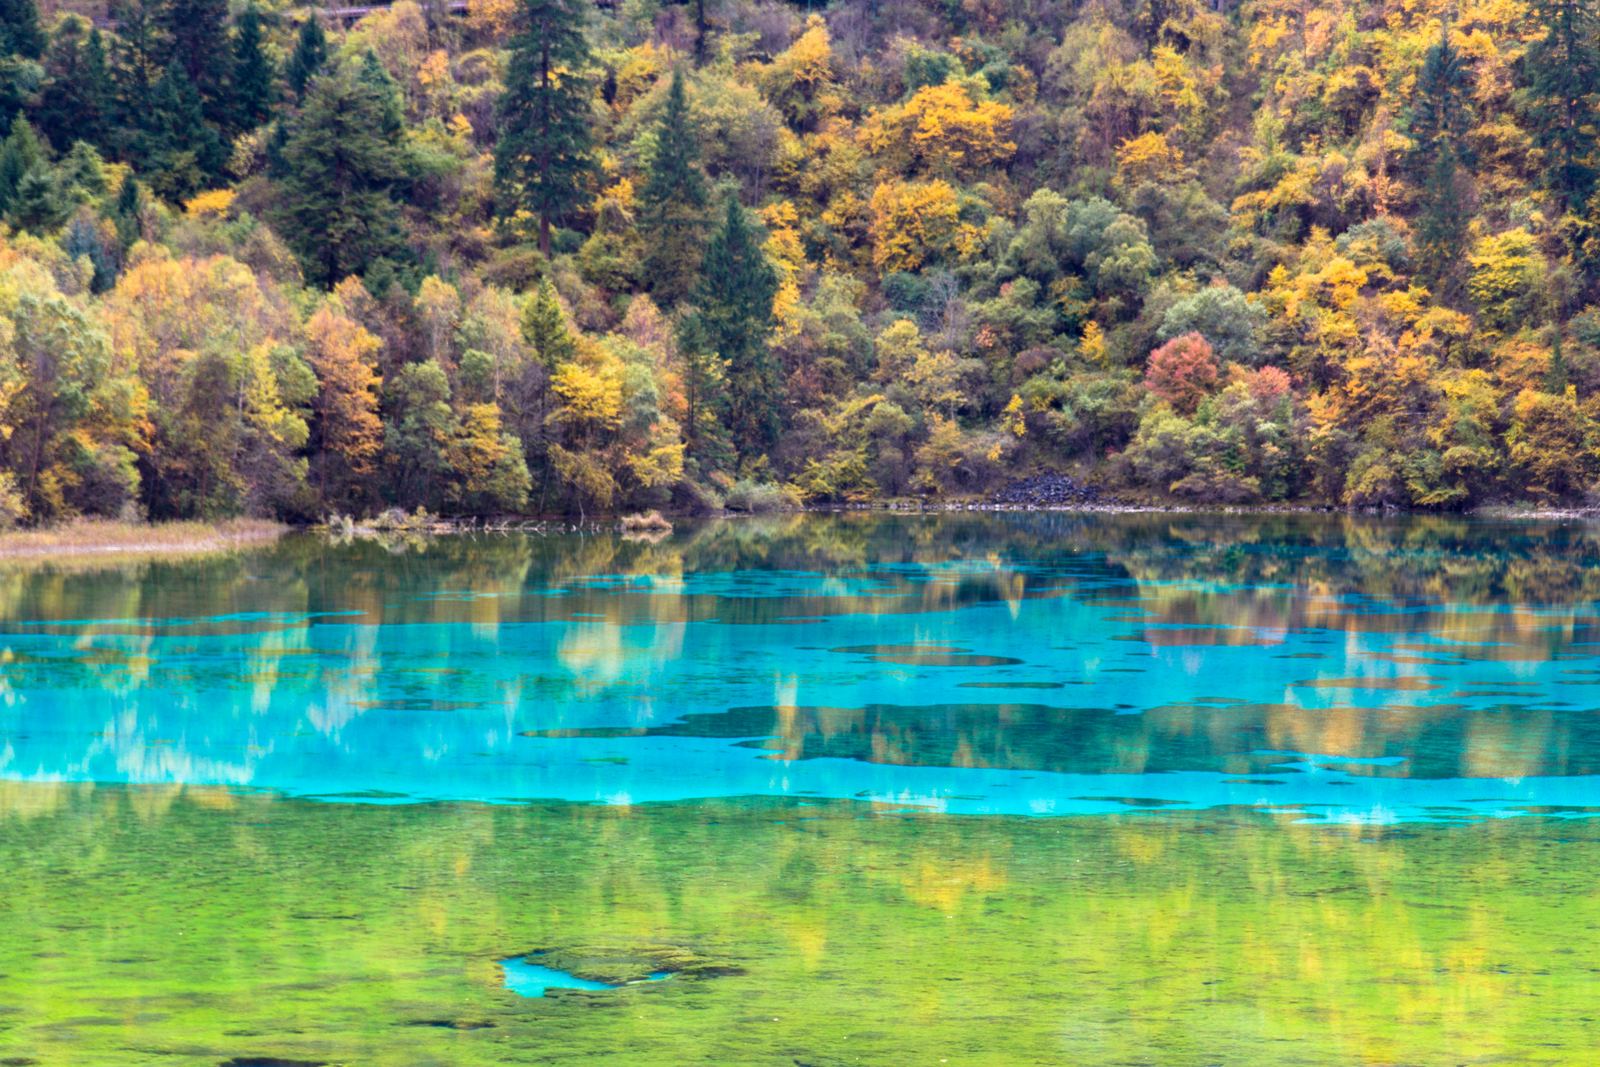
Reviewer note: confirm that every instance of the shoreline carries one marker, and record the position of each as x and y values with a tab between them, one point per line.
109	540
91	541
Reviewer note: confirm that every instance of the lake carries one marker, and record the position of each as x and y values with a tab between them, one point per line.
811	789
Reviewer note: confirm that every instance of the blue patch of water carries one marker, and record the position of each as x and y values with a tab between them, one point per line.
528	979
1018	676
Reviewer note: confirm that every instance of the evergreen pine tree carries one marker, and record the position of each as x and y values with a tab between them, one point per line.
75	100
737	287
1562	74
1440	119
179	150
127	211
39	205
253	89
706	441
20	154
99	92
197	41
545	330
545	147
673	203
392	124
135	71
310	53
83	172
20	34
342	162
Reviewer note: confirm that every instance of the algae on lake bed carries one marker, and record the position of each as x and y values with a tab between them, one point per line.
173	926
1318	791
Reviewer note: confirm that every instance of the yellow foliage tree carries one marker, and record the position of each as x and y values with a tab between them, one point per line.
916	223
942	130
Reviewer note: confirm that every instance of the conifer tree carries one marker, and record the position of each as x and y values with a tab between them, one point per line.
127	211
20	154
83	173
386	92
75	100
136	69
737	287
1440	119
20	34
705	397
1562	73
342	162
544	328
673	203
310	53
39	205
197	41
544	153
253	89
176	146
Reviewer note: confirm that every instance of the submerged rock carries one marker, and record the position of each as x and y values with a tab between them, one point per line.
600	968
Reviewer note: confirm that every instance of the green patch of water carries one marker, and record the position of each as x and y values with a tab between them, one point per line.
201	926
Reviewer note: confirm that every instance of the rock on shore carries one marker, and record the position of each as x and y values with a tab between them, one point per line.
1050	490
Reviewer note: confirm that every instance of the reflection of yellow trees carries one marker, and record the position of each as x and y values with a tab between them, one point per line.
885	938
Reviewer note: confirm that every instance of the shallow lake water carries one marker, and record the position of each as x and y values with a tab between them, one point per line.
975	789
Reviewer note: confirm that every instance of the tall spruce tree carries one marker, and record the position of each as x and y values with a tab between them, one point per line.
342	163
21	154
40	204
20	34
180	151
253	83
672	204
310	53
136	69
1441	157
75	102
545	151
197	41
544	328
1561	71
127	213
737	286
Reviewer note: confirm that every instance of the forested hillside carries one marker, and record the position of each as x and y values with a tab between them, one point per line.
544	256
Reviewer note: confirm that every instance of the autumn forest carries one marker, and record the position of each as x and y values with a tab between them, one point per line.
549	257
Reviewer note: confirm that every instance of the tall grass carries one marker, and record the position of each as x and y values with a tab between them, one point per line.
107	537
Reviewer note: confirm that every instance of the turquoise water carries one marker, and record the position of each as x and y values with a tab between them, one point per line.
528	979
985	790
1024	665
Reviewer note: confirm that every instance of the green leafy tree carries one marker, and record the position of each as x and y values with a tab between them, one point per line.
545	151
342	164
735	297
419	432
672	203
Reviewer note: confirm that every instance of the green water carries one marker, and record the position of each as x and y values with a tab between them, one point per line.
963	789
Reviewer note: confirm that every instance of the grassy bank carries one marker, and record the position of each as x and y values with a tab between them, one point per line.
101	538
